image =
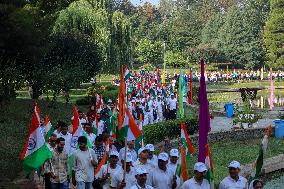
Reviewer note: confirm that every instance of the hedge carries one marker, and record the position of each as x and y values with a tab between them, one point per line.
156	133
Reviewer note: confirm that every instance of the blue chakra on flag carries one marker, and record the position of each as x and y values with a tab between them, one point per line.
74	141
31	144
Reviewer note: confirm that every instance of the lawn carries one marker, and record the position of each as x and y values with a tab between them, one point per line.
243	151
14	122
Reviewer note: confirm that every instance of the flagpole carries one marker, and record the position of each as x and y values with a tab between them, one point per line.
124	162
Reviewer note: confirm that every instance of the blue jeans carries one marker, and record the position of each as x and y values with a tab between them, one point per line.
64	185
83	185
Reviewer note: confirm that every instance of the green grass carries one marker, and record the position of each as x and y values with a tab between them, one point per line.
15	120
243	151
14	123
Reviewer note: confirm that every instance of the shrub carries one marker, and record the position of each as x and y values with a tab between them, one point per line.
171	128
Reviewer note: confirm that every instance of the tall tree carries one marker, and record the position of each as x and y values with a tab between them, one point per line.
274	34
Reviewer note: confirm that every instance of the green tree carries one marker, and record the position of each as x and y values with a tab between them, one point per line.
274	34
240	38
175	59
149	52
72	59
120	44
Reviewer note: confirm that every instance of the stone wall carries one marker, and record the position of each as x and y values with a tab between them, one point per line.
233	135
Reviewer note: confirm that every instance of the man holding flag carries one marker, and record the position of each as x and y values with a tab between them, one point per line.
198	181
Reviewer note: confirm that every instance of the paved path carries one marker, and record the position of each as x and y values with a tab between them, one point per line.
219	124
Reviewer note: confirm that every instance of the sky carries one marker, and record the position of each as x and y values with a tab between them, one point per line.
139	2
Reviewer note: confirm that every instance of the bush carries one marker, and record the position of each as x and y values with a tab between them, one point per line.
156	133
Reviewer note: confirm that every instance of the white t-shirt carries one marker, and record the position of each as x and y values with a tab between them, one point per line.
172	103
91	138
229	183
106	169
147	166
101	126
136	186
84	170
160	179
153	161
160	105
132	152
192	184
67	138
172	166
130	179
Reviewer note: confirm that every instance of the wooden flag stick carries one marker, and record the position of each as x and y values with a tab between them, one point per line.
124	162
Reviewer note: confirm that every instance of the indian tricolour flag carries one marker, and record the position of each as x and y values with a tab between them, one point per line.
209	165
126	73
35	151
130	129
76	133
186	141
48	128
257	166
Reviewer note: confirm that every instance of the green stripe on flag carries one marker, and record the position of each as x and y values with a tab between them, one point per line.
122	133
36	159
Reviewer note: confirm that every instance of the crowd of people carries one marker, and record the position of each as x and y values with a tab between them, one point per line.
217	76
127	169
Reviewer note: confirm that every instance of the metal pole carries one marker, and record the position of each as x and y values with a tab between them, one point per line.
165	60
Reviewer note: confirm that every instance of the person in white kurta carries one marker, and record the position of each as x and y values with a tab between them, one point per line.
67	136
129	149
152	158
109	170
159	105
172	165
141	179
142	161
234	180
117	181
161	177
91	136
198	181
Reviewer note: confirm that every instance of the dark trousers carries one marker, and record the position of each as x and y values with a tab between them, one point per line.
47	182
173	114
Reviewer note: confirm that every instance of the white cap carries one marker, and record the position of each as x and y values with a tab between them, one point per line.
128	157
140	171
200	167
172	94
163	156
235	164
141	150
114	153
109	101
99	110
174	152
150	147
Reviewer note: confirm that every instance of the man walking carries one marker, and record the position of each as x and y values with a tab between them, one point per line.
84	160
58	167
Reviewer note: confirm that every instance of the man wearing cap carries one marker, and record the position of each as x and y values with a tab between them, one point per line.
172	106
108	170
152	159
198	181
117	181
172	165
234	180
141	178
129	149
161	177
142	161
